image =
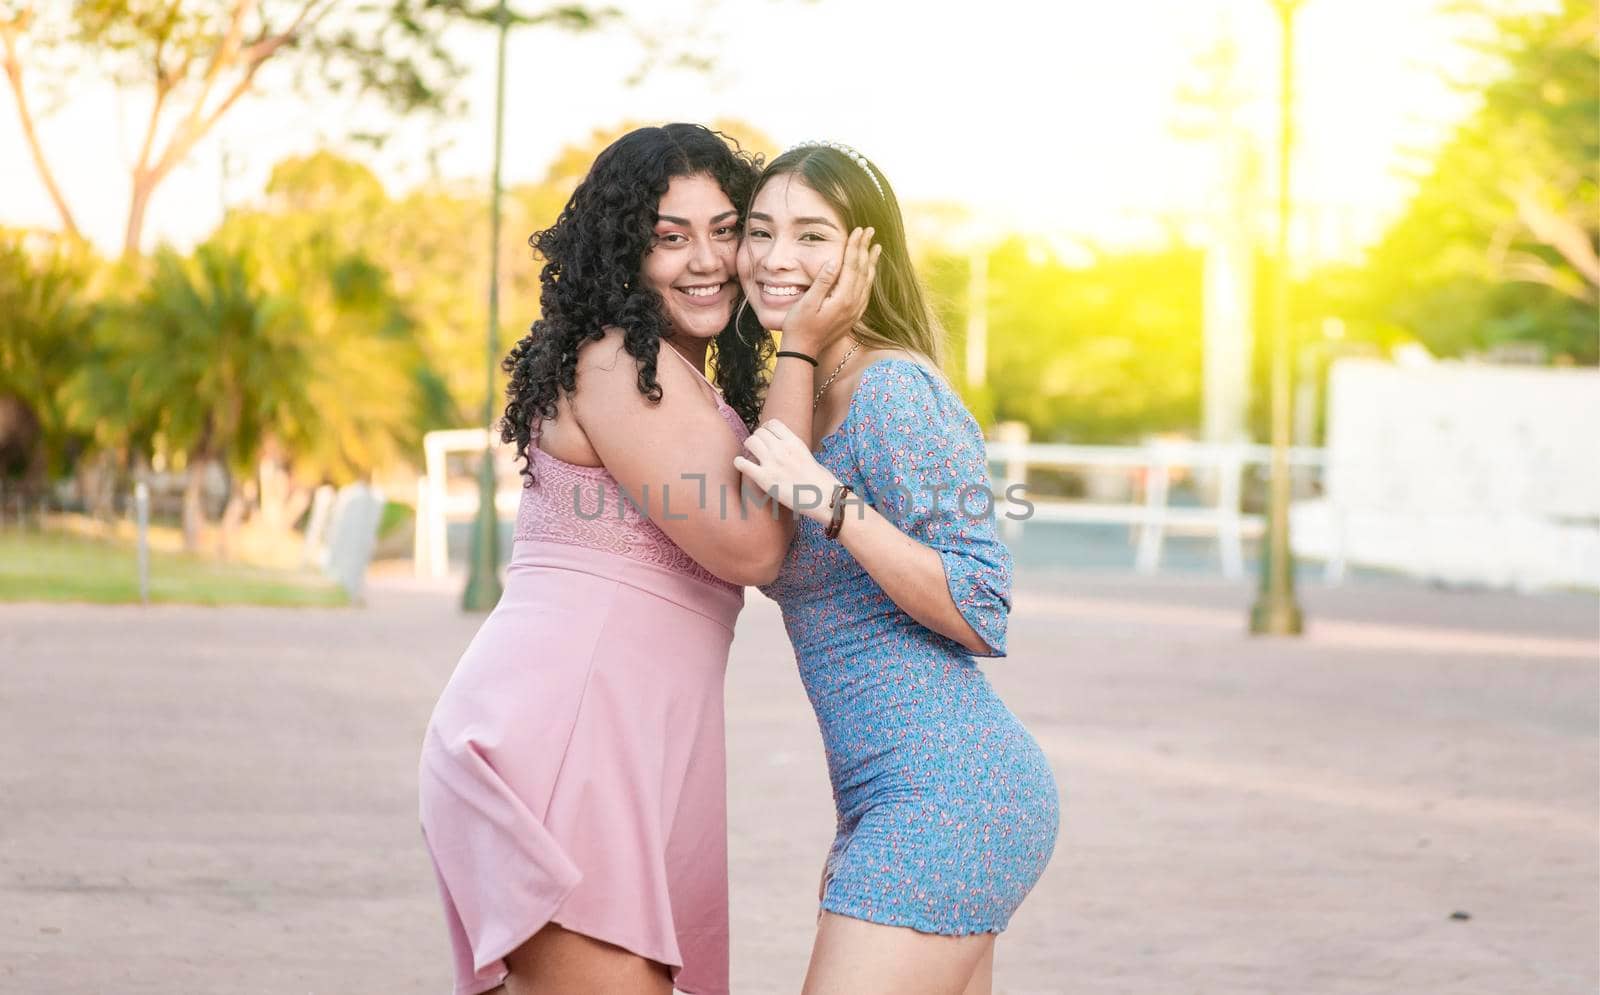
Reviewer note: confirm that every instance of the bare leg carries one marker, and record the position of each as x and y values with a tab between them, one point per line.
982	982
556	961
852	956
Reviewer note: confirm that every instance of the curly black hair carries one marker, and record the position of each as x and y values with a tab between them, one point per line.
591	278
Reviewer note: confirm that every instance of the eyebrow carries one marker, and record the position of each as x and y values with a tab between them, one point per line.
755	216
669	219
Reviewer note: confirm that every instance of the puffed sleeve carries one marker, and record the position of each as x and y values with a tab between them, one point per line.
924	467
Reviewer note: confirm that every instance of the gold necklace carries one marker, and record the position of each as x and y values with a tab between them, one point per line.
816	401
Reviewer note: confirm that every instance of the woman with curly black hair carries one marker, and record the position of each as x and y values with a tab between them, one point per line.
573	788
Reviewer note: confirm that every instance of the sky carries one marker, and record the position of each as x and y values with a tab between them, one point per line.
1057	120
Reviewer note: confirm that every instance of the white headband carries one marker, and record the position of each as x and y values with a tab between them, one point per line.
848	152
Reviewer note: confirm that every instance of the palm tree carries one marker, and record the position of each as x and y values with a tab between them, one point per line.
207	359
262	352
46	318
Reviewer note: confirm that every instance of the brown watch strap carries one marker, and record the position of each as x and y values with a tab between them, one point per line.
836	505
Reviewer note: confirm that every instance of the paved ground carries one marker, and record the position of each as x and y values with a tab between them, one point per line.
223	800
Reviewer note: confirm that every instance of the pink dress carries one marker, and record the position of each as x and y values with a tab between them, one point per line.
574	770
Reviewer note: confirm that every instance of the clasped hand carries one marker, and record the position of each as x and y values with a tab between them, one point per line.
786	469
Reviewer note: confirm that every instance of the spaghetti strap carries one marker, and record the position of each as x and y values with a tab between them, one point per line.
697	371
536	426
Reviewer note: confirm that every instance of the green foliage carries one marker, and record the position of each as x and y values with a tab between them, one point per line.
251	341
201	356
365	392
196	61
324	231
340	189
390	50
47	313
1499	243
337	322
1108	352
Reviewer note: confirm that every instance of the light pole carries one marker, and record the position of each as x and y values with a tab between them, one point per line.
1276	611
483	584
978	316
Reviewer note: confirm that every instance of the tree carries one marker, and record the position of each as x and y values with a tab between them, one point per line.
292	356
195	62
328	236
1499	244
202	357
1101	353
47	313
370	393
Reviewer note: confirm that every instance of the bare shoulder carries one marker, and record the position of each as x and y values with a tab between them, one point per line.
608	378
604	355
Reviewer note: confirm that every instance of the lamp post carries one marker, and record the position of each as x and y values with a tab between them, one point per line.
483	584
978	316
1276	611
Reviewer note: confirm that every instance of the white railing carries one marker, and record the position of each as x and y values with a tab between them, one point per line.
1150	511
1153	515
438	503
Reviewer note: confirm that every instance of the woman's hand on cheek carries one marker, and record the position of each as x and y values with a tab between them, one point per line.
836	299
784	468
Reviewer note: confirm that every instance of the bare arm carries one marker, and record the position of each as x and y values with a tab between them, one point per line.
674	459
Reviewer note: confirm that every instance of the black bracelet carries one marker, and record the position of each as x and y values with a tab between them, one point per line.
798	355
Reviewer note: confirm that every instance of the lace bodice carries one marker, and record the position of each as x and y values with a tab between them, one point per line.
584	506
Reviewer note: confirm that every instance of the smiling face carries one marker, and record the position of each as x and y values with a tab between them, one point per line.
690	262
790	234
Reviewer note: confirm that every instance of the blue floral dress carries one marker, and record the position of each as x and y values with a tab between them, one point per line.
947	808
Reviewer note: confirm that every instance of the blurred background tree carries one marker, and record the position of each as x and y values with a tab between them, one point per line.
195	62
328	322
202	361
1499	244
317	333
48	309
1096	352
1497	248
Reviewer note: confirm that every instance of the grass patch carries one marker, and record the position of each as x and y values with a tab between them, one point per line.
50	566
